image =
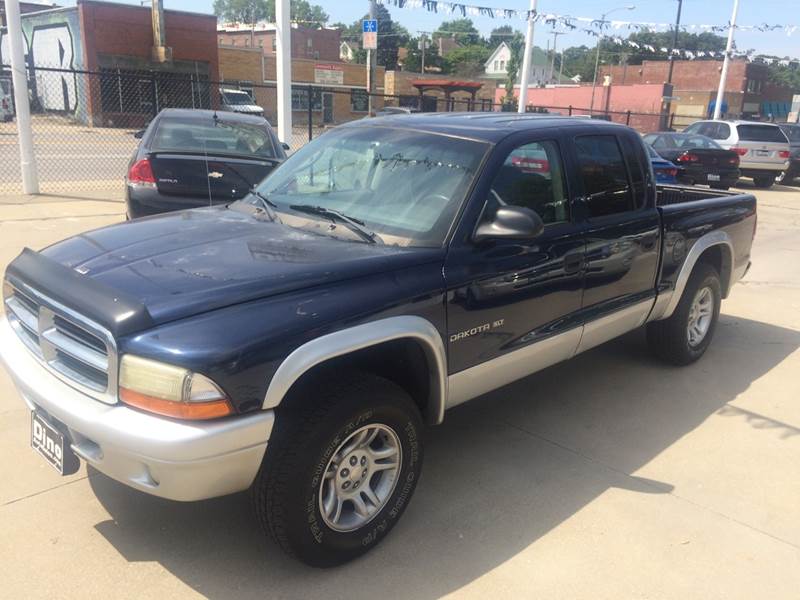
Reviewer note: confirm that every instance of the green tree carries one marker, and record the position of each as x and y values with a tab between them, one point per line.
504	33
517	46
467	61
253	11
391	36
785	75
413	62
463	30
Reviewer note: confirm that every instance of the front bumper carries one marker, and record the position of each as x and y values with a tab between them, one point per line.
179	460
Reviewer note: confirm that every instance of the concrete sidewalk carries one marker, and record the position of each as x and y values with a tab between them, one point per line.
611	476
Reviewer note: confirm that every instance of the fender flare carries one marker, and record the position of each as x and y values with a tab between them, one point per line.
709	240
345	341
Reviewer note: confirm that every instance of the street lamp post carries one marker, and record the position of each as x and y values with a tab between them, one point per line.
599	40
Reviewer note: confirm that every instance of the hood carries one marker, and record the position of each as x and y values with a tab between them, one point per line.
185	263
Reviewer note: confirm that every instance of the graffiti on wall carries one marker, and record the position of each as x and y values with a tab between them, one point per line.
51	41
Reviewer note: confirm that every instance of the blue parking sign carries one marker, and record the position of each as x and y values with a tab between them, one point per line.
370	26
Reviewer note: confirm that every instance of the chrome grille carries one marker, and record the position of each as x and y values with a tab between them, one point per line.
77	350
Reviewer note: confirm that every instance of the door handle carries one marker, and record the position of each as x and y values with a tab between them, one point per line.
573	263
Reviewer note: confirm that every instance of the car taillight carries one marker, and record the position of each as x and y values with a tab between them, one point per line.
733	160
141	174
784	154
688	157
672	172
740	151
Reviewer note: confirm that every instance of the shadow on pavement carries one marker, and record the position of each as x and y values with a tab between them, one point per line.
500	473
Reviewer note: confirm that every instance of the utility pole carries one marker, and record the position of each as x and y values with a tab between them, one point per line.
674	42
725	64
555	35
371	61
27	160
526	62
597	56
667	105
283	71
422	43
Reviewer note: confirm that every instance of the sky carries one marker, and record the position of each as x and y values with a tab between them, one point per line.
713	12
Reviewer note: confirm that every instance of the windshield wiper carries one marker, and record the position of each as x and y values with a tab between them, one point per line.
355	225
267	205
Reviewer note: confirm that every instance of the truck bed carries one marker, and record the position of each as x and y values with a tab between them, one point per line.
678	194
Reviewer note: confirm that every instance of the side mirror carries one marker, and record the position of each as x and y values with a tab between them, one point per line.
285	146
512	223
139	134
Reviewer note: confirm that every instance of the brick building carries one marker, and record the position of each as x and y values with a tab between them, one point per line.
337	90
114	41
748	92
314	44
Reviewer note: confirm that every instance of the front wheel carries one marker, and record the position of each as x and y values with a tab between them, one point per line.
684	337
340	468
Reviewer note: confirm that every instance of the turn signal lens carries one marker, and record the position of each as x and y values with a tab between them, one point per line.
170	391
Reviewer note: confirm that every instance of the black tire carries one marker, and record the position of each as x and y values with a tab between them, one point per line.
315	422
669	339
764	181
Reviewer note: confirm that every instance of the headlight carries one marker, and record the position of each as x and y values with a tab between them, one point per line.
171	391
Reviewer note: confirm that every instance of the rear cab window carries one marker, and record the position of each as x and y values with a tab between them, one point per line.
761	133
604	174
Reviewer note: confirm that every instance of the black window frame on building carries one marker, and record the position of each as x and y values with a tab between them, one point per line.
140	92
300	98
359	96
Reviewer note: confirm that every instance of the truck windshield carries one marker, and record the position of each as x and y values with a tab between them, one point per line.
406	186
237	98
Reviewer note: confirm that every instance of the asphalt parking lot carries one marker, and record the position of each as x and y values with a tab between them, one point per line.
610	476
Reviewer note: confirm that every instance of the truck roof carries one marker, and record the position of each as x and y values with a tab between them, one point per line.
485	126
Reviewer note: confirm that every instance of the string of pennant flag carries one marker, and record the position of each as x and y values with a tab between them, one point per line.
750	55
589	25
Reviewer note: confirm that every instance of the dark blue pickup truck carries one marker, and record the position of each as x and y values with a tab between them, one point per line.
295	342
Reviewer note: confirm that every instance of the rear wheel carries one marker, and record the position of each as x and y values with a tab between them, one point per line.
684	337
340	468
764	181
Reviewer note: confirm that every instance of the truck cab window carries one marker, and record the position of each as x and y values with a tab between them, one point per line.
604	176
531	177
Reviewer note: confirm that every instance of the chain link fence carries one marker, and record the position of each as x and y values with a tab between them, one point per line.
84	122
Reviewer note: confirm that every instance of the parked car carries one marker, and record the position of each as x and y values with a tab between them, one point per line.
294	342
762	147
701	159
239	101
792	132
190	158
6	100
665	171
395	110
